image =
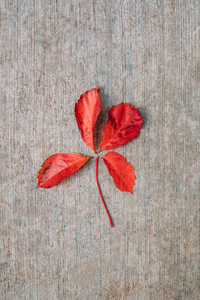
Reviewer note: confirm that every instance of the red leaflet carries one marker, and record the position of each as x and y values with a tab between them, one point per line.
59	166
122	126
86	111
121	171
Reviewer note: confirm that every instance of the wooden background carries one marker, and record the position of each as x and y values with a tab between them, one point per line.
57	243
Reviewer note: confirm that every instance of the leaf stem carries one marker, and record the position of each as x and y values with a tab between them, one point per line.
111	223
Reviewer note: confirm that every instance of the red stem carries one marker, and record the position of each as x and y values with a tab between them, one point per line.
111	223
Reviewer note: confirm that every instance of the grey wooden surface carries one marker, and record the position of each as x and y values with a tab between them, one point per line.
57	243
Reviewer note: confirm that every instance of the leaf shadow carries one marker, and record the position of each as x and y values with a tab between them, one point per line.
145	116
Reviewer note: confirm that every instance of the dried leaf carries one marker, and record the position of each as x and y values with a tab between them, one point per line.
122	126
121	171
59	166
86	111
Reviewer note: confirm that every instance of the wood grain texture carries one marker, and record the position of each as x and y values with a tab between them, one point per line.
57	243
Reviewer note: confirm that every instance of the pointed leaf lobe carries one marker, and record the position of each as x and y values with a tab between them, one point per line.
59	166
86	112
122	126
121	171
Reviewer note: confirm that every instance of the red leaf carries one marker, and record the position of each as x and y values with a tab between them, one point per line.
121	171
122	126
59	166
86	111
